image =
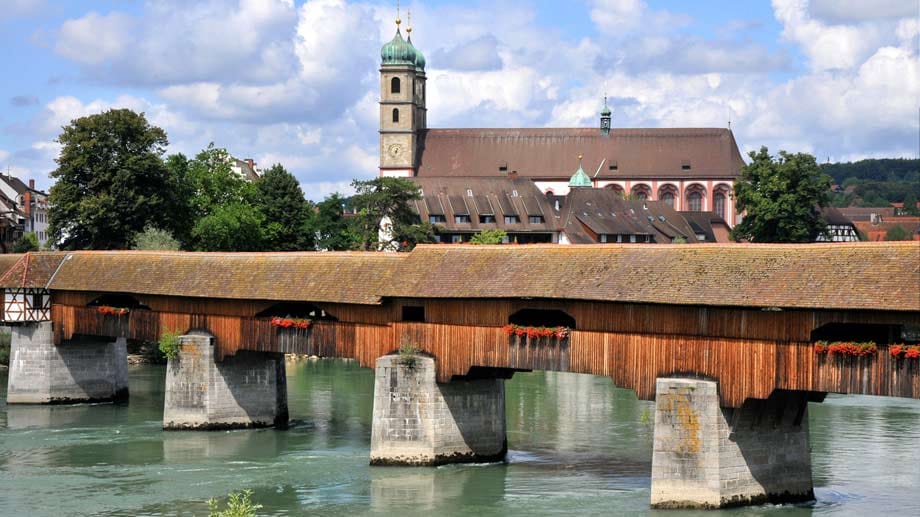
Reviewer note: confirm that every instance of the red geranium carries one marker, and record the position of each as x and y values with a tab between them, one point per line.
821	347
115	311
896	350
287	323
913	352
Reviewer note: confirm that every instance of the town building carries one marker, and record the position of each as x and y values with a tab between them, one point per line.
30	204
245	168
689	169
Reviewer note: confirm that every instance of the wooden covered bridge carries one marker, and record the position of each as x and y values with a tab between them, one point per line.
739	322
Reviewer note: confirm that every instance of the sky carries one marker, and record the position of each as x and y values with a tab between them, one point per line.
296	82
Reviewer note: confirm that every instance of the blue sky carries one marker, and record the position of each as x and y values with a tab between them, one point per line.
296	82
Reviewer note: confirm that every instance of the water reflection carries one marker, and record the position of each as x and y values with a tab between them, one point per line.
577	445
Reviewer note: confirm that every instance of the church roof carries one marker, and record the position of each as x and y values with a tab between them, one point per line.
546	153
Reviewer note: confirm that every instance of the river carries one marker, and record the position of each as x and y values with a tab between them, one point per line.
578	445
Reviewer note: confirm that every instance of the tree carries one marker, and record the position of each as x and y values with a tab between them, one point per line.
155	239
489	237
898	233
231	227
110	182
281	201
910	203
388	197
28	242
329	227
782	198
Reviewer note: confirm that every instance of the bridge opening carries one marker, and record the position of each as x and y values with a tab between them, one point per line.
118	300
297	310
542	318
881	334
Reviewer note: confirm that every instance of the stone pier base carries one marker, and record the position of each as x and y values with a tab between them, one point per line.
711	457
246	390
74	372
418	421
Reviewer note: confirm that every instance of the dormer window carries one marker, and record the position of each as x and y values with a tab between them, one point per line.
469	192
503	168
613	165
685	165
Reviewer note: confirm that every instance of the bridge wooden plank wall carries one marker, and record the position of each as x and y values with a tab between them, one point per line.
750	352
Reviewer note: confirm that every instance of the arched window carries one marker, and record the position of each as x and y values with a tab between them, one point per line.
617	189
695	201
394	85
668	198
642	191
718	204
395	115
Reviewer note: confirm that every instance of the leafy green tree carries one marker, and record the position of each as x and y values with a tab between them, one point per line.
898	233
110	181
28	242
281	201
388	197
235	226
155	239
211	182
489	237
328	225
910	203
782	198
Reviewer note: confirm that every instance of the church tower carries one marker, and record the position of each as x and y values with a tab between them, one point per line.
403	117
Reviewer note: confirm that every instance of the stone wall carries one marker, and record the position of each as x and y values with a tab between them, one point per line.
710	457
246	390
76	371
420	422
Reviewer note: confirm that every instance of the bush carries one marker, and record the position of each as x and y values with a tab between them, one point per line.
489	237
169	344
155	239
5	340
407	353
239	504
28	242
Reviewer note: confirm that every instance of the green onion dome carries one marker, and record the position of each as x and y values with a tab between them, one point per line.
398	51
419	57
580	178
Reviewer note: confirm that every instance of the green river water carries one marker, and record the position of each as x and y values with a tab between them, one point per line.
578	446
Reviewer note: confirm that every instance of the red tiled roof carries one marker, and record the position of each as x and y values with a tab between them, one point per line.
553	152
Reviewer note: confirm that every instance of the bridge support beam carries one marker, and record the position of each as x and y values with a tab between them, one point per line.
711	457
246	390
74	372
418	421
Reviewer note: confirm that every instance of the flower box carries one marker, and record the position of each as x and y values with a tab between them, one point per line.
528	333
114	311
294	323
901	351
846	349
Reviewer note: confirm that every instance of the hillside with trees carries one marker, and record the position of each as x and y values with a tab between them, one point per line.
875	182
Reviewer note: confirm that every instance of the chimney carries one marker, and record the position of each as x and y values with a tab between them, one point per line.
32	184
252	164
27	203
512	175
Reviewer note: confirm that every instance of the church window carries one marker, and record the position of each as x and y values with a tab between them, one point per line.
718	203
394	85
395	115
668	198
695	200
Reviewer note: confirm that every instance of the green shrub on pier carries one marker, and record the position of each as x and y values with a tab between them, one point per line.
169	344
5	340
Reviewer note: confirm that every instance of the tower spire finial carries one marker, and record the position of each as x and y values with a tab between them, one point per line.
409	26
398	19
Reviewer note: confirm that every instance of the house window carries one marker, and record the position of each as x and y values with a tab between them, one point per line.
413	313
718	203
456	239
632	238
619	238
437	219
37	300
461	219
394	85
395	115
604	237
487	219
512	219
535	219
695	200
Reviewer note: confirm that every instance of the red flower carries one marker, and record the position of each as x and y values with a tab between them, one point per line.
508	329
913	352
821	347
895	350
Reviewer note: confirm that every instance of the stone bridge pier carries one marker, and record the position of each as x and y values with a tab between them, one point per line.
84	370
706	456
418	421
242	391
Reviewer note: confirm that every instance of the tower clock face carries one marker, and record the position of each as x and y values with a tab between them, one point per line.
394	150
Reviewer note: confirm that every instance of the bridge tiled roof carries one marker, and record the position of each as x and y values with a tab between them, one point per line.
322	277
834	275
872	276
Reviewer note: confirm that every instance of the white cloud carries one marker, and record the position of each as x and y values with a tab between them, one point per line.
617	15
95	39
842	11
